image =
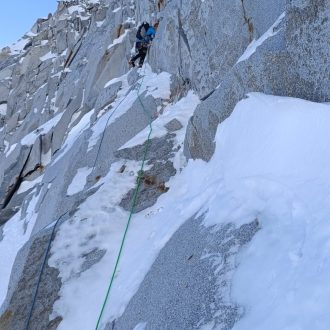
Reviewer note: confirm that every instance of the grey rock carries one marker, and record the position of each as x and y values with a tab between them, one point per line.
91	259
173	125
4	91
204	52
158	153
110	66
100	14
107	95
11	177
12	122
34	160
276	68
16	315
6	72
133	76
192	274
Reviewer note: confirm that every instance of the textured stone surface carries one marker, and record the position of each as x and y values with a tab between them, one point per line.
205	39
107	95
173	125
153	180
17	313
287	64
192	290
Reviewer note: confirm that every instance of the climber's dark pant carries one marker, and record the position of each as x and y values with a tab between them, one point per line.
142	53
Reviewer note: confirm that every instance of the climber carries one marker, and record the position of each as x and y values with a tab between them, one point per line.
144	37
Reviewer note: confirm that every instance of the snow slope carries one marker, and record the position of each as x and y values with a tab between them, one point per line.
270	164
272	158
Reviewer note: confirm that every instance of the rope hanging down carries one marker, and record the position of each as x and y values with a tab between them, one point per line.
133	205
42	271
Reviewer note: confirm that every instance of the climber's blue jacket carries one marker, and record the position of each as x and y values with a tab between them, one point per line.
149	36
151	33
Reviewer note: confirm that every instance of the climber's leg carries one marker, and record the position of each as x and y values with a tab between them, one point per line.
143	54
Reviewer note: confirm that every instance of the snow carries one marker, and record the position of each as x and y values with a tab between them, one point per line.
46	158
31	34
6	145
118	40
157	85
3	109
79	181
30	138
18	46
116	10
11	149
16	232
256	43
182	111
114	80
285	183
271	163
100	23
140	326
106	221
47	56
76	8
26	185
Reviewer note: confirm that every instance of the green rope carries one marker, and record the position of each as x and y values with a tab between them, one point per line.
136	192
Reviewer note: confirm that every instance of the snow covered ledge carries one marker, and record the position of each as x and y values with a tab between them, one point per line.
273	159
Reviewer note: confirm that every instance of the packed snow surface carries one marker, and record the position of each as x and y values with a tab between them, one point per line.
79	181
180	111
18	46
3	109
48	56
16	233
157	85
271	163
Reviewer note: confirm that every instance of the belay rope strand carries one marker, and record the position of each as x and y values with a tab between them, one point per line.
41	272
133	205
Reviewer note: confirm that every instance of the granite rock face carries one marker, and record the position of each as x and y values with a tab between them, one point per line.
69	104
190	277
287	64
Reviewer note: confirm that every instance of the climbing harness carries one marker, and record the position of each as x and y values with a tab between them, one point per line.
133	205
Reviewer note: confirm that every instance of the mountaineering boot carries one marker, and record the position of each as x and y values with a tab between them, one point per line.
131	64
